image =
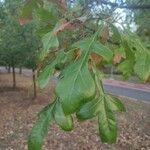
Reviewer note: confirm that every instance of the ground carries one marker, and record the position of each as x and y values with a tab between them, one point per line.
19	112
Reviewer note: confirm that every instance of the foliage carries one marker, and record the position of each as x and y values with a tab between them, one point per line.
40	129
78	43
141	20
19	44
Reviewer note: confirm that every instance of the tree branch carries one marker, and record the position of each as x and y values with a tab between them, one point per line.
133	6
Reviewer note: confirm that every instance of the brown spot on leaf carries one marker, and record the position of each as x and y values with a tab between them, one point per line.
25	20
96	58
78	53
117	59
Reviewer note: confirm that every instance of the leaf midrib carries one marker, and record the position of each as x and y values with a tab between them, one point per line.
81	65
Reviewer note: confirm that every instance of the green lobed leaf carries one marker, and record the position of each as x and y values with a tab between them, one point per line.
52	8
44	15
92	108
107	122
136	51
135	43
61	60
96	47
64	121
142	65
42	31
29	7
44	76
116	34
127	44
126	67
75	88
83	44
115	104
61	57
120	50
88	110
102	50
49	40
35	139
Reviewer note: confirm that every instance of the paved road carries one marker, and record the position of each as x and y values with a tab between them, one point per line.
26	72
135	91
128	92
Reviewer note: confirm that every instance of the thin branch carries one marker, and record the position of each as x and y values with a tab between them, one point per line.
133	6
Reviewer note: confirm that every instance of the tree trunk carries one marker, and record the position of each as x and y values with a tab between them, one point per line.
34	82
14	76
20	70
9	69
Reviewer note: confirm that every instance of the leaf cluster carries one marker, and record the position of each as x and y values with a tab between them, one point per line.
78	47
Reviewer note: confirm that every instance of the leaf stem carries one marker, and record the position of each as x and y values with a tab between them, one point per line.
98	82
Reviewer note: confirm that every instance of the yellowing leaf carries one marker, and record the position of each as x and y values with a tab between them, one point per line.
96	58
24	20
117	59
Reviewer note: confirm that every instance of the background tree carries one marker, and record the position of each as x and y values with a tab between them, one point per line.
18	43
32	46
11	45
143	24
